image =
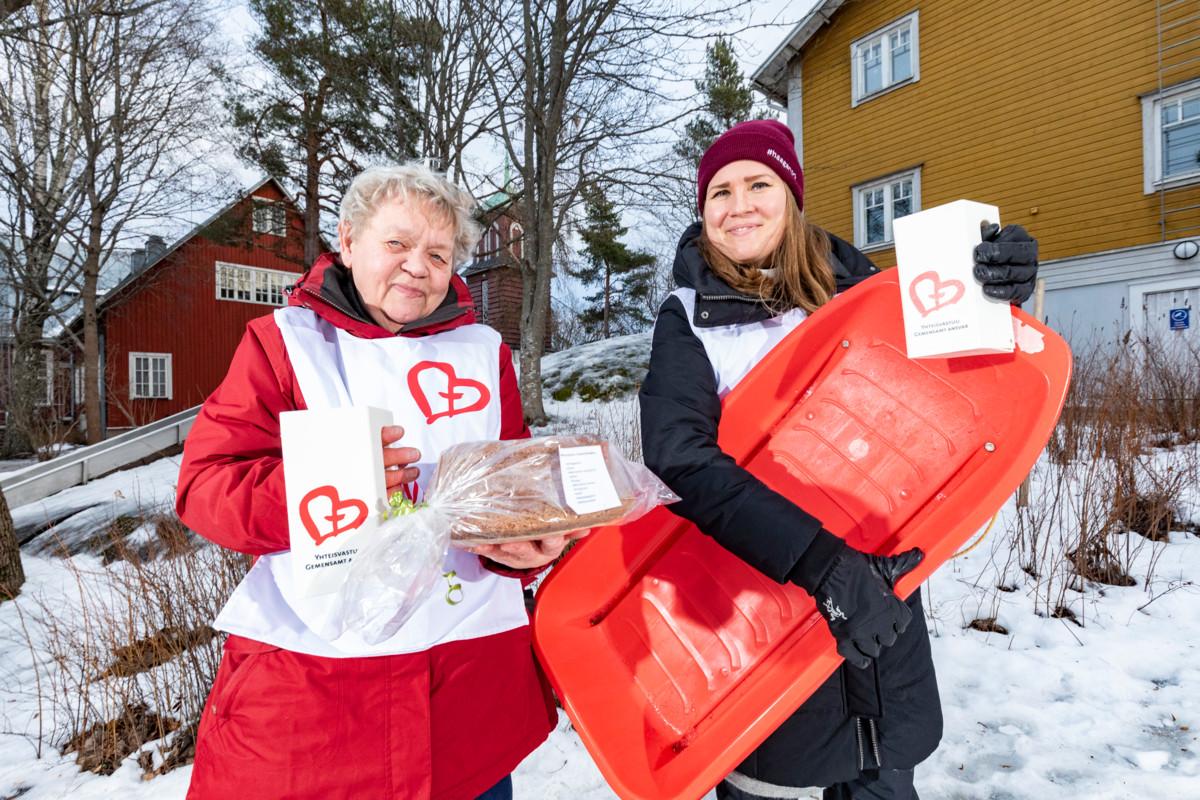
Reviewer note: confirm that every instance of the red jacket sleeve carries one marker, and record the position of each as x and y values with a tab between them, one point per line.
231	479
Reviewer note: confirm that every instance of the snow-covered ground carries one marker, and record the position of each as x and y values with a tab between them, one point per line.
1051	710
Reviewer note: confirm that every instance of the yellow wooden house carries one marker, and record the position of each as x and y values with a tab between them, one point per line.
1080	120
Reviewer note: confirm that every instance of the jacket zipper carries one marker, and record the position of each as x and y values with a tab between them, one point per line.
862	750
345	311
730	297
875	744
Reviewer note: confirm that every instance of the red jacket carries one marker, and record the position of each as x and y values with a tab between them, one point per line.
446	723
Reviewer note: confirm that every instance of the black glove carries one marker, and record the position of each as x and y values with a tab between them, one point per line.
1006	262
854	594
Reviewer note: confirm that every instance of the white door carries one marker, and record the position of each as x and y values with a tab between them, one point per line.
1170	316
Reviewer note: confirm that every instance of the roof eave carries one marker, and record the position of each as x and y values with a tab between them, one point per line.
772	77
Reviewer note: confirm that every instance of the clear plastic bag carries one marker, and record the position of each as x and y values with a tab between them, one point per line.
490	493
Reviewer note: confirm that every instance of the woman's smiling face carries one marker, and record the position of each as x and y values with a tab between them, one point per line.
401	261
745	211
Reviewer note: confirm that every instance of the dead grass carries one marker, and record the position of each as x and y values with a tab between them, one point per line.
127	657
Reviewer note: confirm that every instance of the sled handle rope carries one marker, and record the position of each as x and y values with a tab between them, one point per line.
980	538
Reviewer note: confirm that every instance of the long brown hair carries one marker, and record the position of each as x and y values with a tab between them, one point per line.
803	277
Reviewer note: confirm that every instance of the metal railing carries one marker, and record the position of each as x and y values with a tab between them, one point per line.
79	466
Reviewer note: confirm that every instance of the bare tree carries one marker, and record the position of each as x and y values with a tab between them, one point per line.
584	91
141	99
39	145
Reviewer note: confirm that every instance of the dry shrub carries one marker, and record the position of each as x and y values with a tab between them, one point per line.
128	654
1120	460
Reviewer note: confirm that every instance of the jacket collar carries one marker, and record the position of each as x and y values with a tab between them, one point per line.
717	303
328	290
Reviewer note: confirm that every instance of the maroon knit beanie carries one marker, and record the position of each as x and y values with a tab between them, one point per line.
766	141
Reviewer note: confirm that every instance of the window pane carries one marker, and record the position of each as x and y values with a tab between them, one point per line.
873	68
901	199
1170	113
874	225
1181	149
1191	108
901	56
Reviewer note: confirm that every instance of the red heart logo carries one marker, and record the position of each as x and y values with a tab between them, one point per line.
940	293
338	512
456	388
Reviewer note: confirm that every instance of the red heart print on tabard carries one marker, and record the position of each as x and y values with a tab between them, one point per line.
462	395
337	519
929	292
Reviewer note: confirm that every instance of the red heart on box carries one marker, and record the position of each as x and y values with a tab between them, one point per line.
338	511
941	293
456	389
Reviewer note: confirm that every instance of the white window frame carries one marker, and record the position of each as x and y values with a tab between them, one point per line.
880	35
269	217
515	232
1138	292
47	399
168	382
1152	138
239	283
885	183
77	380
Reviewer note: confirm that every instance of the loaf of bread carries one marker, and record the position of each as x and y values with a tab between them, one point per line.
513	490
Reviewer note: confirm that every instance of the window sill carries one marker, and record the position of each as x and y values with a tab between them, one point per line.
866	98
1178	182
875	248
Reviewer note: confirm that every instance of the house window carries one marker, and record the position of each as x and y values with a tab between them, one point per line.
1171	137
78	385
252	284
46	393
484	300
150	376
270	216
515	231
879	202
884	59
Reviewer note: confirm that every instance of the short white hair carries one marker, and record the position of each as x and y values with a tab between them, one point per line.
375	186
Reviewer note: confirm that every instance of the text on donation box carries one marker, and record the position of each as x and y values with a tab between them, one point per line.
336	489
946	312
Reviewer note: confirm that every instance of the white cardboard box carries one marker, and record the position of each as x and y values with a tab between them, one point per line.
335	486
946	312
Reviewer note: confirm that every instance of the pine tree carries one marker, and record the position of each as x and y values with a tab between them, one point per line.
340	73
622	276
727	101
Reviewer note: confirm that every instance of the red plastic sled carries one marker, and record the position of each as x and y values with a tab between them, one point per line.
673	658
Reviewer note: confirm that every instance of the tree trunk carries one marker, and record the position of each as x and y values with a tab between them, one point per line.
91	343
12	574
28	374
312	190
607	296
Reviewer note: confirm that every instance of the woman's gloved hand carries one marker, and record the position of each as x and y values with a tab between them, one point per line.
854	594
1006	262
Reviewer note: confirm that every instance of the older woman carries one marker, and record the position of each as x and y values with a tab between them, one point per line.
450	704
748	274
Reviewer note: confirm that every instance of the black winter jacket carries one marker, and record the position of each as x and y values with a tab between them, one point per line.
888	715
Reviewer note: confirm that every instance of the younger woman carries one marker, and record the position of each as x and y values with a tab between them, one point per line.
748	274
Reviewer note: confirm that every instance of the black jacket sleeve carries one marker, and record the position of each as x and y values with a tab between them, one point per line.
680	414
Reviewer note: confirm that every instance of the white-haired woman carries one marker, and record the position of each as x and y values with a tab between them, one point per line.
449	705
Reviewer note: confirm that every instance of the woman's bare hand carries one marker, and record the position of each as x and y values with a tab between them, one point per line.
527	555
396	460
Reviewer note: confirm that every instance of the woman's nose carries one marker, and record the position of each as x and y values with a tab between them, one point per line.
741	203
417	263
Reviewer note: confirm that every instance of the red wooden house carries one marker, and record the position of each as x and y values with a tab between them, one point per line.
169	330
494	276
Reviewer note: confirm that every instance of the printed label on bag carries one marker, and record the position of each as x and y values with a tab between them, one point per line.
586	483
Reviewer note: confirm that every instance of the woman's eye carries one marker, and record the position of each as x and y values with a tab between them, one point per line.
759	185
439	258
719	193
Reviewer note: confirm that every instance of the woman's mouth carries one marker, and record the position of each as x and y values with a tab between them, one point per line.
741	230
406	291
